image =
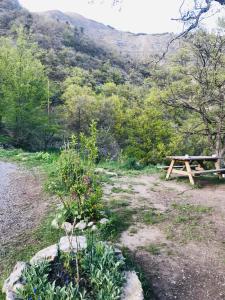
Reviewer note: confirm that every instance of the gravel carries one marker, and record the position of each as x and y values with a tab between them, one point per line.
22	204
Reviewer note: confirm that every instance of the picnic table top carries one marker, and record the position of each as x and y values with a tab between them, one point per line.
195	158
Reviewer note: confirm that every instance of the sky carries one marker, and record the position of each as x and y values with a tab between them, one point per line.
148	16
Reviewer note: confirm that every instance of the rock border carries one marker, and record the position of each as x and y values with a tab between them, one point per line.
132	289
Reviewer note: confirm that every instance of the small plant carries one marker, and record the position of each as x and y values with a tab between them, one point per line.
152	216
154	249
75	182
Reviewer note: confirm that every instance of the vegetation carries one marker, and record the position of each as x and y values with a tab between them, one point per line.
99	269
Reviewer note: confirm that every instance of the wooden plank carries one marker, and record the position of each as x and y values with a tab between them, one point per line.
209	171
189	172
193	158
170	169
176	167
180	172
217	166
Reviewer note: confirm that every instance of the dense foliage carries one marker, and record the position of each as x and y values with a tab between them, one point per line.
178	109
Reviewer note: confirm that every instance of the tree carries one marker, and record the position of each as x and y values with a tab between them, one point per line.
196	83
24	92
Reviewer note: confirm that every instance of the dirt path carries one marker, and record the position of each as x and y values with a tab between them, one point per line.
177	234
22	204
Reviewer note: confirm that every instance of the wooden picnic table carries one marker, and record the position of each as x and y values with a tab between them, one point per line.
186	167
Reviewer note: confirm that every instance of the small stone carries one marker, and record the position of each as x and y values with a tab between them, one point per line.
117	251
14	277
67	244
17	286
68	227
90	224
55	224
104	221
81	225
48	254
94	228
59	206
132	289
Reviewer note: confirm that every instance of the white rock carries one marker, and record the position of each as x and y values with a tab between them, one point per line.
117	251
48	254
94	228
14	277
17	286
10	296
68	227
103	171
90	224
66	244
132	289
104	221
55	224
81	225
59	206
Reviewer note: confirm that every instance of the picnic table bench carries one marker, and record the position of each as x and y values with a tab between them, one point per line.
186	167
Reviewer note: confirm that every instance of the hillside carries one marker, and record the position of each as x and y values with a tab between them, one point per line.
139	46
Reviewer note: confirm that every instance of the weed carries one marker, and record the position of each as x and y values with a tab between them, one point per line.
119	222
154	249
116	203
121	190
152	216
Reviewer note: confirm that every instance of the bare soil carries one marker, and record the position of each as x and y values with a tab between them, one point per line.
22	205
177	234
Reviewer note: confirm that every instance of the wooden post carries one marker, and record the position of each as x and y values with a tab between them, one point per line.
170	169
217	166
189	172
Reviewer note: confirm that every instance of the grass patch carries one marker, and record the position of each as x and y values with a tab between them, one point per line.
187	222
44	235
116	203
118	190
120	221
152	216
29	159
153	249
127	167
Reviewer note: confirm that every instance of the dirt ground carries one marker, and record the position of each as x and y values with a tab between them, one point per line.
177	234
22	204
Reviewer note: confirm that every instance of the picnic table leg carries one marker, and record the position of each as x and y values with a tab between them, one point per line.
170	169
217	166
188	168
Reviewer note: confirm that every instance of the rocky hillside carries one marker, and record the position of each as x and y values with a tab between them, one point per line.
140	46
70	40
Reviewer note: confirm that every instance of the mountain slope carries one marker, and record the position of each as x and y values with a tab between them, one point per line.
138	46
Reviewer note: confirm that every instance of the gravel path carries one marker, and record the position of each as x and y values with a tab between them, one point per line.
21	203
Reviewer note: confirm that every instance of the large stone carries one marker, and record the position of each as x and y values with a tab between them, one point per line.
104	221
68	227
90	224
14	277
105	172
48	254
72	243
81	225
10	296
132	289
